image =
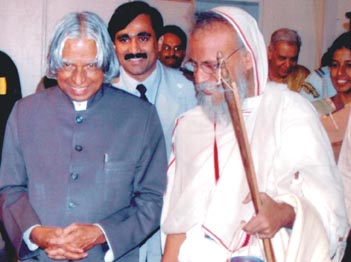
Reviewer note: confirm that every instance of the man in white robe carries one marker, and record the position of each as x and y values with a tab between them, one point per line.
207	214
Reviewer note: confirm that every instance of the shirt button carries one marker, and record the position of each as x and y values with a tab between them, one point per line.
78	148
79	119
74	176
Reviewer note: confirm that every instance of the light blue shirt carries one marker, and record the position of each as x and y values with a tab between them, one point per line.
169	90
320	80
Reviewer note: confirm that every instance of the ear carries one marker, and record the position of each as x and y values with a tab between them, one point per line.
247	60
160	42
270	52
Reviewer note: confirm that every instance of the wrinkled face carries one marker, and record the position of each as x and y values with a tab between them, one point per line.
136	47
282	57
79	77
171	52
204	45
340	70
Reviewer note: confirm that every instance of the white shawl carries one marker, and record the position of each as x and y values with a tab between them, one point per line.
286	136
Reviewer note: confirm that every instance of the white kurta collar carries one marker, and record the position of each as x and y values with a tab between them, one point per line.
80	106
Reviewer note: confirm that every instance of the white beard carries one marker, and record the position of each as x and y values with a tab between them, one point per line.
215	105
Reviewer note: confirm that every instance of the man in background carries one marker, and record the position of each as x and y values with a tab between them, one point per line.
283	54
172	46
135	28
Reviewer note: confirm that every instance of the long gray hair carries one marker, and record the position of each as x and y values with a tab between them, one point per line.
83	24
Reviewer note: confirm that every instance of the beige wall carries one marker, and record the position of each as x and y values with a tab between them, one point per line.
318	22
26	26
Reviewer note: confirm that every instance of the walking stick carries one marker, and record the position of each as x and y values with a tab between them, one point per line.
233	102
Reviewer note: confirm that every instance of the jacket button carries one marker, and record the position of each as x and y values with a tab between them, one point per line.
71	204
79	119
74	176
78	148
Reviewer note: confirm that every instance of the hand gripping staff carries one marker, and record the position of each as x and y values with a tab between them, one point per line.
233	102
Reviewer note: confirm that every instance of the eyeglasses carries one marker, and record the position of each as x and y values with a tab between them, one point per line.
209	67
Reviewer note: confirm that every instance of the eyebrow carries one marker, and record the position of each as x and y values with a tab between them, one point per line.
141	34
144	34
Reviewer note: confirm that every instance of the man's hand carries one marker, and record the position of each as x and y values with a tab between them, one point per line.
45	237
271	217
50	239
83	236
71	242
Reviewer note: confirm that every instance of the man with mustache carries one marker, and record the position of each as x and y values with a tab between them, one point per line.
172	46
135	28
207	213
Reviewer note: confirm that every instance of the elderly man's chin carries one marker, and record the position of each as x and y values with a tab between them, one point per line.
210	96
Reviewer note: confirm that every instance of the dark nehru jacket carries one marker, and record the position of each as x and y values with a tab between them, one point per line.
10	91
106	165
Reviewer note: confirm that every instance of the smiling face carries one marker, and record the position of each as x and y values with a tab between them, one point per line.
282	57
136	47
204	46
79	77
340	70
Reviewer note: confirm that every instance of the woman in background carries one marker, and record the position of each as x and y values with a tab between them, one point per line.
340	71
338	59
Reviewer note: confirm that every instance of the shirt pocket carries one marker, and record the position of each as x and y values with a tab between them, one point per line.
119	177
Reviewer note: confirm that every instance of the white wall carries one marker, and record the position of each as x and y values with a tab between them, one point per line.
26	26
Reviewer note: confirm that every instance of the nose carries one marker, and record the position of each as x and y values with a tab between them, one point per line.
171	52
79	76
134	46
287	63
200	76
341	70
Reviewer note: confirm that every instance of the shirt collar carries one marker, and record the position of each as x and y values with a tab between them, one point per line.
151	83
83	105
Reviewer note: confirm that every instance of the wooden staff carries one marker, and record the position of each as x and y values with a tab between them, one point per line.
233	102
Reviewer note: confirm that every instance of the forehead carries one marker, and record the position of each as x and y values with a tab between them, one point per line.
141	23
286	49
171	39
80	49
204	43
342	54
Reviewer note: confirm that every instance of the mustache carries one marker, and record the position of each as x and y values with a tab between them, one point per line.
214	106
138	55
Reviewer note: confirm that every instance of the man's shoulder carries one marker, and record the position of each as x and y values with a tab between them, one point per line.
176	85
302	69
278	94
193	113
39	97
115	93
280	91
174	74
